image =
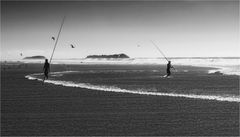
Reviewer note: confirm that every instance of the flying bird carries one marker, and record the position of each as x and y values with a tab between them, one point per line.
53	38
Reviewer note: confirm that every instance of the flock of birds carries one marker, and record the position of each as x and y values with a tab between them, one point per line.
53	38
71	45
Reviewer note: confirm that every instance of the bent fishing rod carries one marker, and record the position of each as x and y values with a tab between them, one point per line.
161	52
55	45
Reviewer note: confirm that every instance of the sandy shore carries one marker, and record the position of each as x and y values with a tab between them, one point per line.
29	108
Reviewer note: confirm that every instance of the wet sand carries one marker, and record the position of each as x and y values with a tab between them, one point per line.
29	108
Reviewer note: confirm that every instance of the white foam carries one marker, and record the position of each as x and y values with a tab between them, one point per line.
63	72
225	65
141	92
227	70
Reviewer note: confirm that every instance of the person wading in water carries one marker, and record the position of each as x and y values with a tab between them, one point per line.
169	66
46	69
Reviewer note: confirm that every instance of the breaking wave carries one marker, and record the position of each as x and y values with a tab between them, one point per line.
225	65
141	92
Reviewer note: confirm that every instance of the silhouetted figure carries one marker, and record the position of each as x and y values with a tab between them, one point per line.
169	66
46	69
72	46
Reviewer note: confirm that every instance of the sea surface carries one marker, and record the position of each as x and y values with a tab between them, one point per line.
85	99
185	82
225	65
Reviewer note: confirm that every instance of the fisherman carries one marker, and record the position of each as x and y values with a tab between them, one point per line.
46	69
72	46
169	66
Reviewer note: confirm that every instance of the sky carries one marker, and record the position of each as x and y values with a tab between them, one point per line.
179	28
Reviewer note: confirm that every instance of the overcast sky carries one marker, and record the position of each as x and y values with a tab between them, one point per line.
181	29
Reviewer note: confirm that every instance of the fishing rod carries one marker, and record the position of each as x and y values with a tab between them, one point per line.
55	45
159	50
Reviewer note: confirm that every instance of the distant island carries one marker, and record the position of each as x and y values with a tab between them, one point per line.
35	57
108	56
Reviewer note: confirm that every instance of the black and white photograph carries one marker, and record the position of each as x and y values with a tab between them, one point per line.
120	68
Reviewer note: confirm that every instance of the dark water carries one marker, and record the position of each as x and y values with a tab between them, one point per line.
185	80
30	108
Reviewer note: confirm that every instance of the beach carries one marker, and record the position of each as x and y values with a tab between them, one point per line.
31	108
120	68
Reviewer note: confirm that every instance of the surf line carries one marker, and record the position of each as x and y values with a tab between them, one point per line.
119	90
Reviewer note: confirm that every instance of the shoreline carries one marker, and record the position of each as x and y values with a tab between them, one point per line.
89	86
227	69
29	108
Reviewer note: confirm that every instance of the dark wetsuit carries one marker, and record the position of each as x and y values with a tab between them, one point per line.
46	69
168	69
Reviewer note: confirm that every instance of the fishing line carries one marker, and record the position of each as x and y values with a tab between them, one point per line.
159	50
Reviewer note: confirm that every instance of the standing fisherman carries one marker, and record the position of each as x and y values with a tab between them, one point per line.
46	69
169	66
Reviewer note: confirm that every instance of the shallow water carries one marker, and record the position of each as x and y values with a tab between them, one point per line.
225	65
185	82
30	108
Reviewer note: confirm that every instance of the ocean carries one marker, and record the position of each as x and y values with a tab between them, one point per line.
215	79
225	65
116	98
